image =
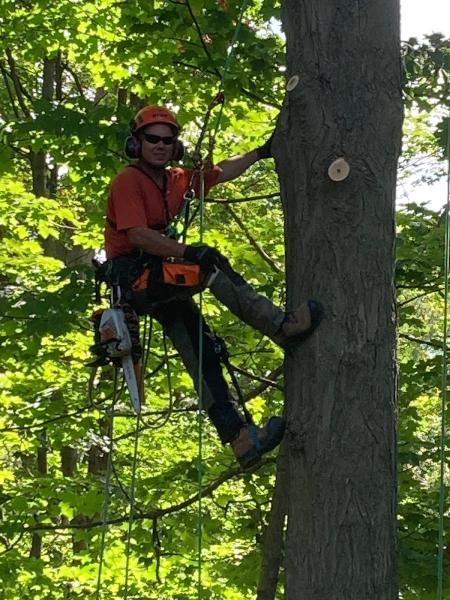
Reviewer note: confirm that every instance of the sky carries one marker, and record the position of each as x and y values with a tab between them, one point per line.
420	17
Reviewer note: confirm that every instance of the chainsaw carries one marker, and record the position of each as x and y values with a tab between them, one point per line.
116	344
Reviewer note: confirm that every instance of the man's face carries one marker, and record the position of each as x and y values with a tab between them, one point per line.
155	152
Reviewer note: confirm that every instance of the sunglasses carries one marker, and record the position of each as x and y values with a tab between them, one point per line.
155	139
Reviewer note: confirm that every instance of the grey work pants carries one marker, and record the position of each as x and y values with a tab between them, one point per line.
175	309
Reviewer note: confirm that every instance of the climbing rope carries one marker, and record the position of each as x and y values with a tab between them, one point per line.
200	409
107	491
228	63
443	433
132	504
148	328
147	336
218	99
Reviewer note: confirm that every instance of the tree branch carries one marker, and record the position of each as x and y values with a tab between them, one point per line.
245	92
201	38
65	66
155	513
9	90
267	381
411	338
9	547
423	285
427	293
246	199
259	249
17	84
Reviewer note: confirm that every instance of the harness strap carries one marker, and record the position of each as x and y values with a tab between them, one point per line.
222	351
169	228
162	191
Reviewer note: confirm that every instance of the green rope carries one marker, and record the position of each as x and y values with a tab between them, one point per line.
132	503
440	569
200	325
200	408
106	497
228	62
169	383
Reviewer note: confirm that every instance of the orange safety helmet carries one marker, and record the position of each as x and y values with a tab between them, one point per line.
154	114
147	116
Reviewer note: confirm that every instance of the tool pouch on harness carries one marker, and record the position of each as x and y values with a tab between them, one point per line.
180	272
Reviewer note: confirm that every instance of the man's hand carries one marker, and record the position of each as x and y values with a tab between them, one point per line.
230	168
265	151
206	256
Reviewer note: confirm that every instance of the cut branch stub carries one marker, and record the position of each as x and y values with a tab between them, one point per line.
338	170
292	83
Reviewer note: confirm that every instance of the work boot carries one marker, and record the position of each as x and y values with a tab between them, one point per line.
252	441
299	324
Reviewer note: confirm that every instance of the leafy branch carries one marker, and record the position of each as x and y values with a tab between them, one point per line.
156	513
256	245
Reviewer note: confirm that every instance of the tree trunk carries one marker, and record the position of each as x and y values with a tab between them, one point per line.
344	103
69	463
97	457
39	167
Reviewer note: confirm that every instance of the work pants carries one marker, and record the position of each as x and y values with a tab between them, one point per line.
179	316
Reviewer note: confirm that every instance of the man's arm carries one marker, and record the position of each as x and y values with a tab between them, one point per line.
236	165
155	243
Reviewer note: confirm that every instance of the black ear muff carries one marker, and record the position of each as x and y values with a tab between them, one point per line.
132	146
178	150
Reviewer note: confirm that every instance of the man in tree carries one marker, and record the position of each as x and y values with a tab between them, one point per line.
144	199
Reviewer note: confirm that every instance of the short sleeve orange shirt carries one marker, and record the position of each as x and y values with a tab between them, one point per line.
136	201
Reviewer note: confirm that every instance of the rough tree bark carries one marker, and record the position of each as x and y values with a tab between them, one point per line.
340	385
